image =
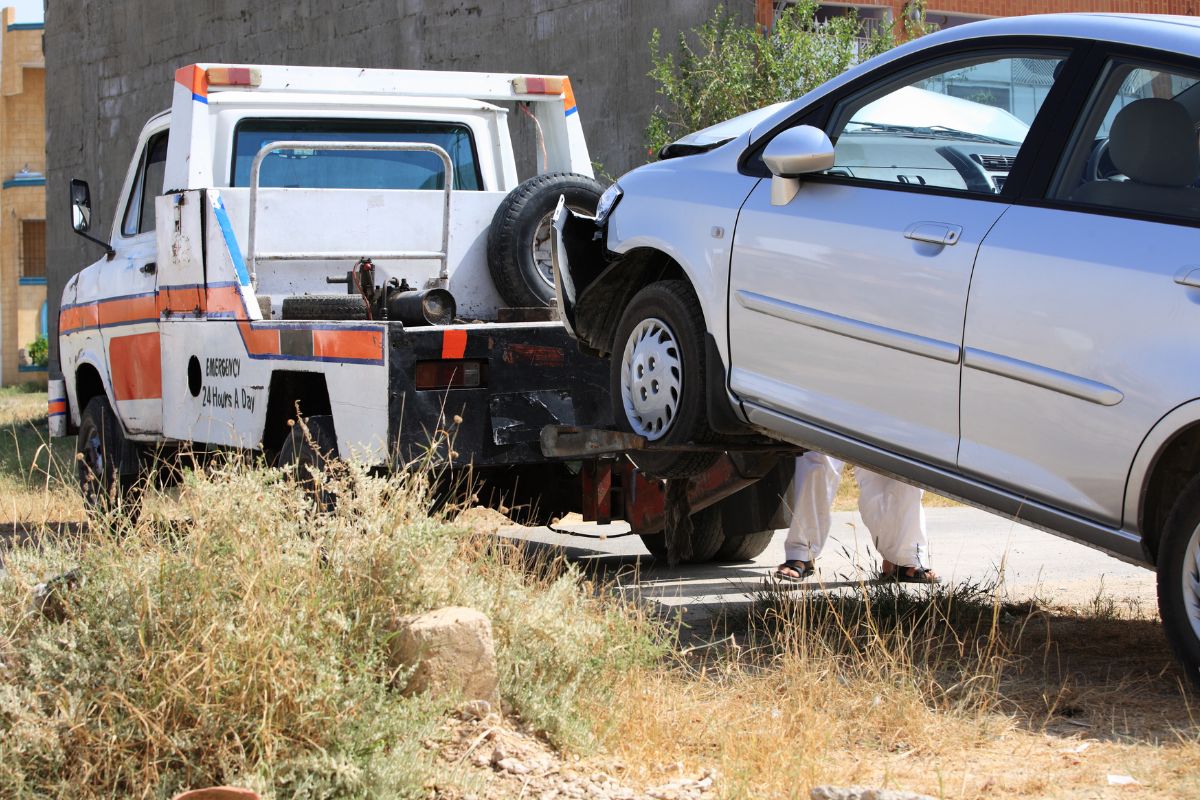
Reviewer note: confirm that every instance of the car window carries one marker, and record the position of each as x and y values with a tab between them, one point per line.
355	169
147	184
1135	148
959	125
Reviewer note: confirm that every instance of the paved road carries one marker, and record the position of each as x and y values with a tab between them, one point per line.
966	545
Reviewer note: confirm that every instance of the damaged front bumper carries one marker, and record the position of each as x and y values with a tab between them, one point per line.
579	256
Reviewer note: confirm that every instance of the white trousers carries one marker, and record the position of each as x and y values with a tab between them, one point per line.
891	510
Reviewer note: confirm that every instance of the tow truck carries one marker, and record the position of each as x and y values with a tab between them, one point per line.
352	249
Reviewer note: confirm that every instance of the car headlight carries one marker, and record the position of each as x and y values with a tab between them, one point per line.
608	201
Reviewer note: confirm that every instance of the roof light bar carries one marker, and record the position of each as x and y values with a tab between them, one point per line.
234	76
536	84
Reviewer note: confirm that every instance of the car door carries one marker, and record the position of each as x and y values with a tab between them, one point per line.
1085	306
128	314
846	304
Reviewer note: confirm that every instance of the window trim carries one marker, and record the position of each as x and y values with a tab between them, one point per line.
819	113
237	128
1036	193
138	187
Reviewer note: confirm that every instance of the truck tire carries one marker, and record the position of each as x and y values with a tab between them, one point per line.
1179	579
304	454
745	548
708	536
325	307
657	378
107	464
519	238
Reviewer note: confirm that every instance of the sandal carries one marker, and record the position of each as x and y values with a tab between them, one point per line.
799	569
893	572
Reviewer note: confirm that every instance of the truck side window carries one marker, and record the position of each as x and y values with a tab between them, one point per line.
147	184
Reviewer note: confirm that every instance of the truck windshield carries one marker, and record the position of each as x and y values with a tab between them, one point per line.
348	169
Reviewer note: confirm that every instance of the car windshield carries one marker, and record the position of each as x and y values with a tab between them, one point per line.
348	169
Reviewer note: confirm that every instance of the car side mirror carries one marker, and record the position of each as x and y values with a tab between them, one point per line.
81	214
795	152
81	206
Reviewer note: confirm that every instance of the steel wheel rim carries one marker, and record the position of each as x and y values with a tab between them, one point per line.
1190	578
542	246
651	379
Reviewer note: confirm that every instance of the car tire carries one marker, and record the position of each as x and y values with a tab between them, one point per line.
746	547
708	537
305	453
658	352
107	465
325	307
519	238
1179	579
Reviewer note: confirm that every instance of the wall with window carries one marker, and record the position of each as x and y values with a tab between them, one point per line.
23	307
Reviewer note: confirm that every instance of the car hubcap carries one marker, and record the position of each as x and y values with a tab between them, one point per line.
1191	582
651	379
542	246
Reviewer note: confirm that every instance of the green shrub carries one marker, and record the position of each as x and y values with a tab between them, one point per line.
727	67
39	351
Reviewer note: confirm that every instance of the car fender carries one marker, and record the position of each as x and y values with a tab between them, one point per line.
1176	420
686	208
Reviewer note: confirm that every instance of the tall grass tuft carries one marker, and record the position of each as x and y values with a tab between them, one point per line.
234	635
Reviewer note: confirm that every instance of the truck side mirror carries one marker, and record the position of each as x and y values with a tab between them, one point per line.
81	214
81	206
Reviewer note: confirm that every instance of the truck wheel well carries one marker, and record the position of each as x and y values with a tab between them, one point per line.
1177	464
88	384
289	391
600	307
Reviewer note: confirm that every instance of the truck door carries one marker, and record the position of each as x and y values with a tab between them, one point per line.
131	325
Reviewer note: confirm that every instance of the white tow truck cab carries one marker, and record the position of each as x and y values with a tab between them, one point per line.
355	249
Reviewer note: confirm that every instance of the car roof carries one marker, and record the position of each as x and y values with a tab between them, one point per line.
1175	34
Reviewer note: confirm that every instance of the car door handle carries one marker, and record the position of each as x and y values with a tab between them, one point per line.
934	233
1188	276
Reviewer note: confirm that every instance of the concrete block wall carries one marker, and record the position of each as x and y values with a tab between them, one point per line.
110	67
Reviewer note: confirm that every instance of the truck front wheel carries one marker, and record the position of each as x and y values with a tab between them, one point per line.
107	464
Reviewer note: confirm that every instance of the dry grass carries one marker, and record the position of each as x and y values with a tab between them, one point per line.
949	693
34	485
233	635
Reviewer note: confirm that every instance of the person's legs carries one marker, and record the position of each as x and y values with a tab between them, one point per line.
815	485
893	514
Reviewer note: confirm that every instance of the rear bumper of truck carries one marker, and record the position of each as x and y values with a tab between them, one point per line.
529	375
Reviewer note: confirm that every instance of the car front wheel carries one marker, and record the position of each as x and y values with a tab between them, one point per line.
658	381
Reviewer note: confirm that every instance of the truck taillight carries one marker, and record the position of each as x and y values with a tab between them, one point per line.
538	84
450	374
234	76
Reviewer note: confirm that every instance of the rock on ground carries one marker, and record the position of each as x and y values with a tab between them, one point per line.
450	651
862	793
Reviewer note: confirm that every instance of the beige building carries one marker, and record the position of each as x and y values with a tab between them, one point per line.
23	308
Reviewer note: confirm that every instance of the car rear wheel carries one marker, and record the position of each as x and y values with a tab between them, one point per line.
1179	579
657	378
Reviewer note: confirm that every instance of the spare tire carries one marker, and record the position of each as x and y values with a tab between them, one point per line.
325	307
519	238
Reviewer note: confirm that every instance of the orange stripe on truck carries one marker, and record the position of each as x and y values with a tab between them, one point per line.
135	363
361	345
454	344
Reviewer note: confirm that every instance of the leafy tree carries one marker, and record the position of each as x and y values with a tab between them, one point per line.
733	68
39	351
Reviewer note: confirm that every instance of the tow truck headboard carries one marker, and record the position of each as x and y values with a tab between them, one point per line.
192	149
